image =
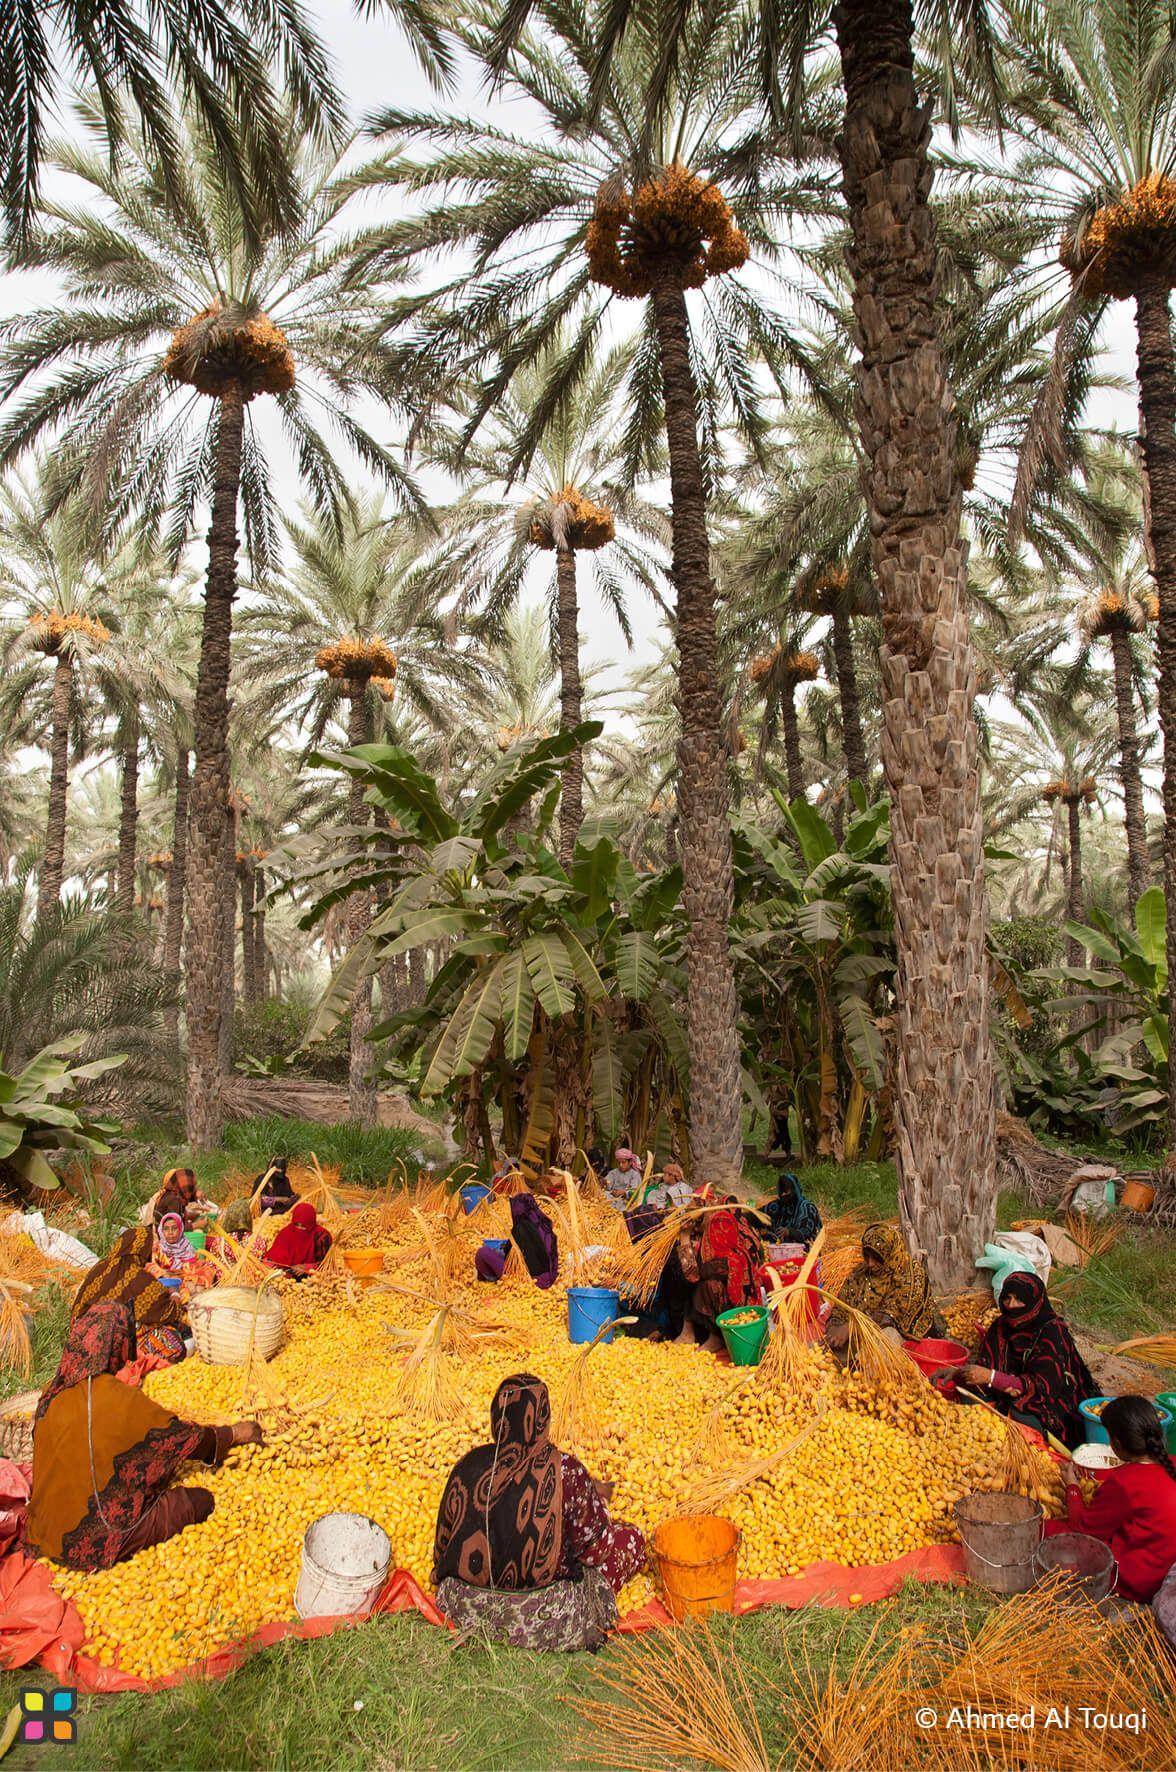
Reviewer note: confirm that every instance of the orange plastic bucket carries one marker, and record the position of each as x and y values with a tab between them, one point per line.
696	1559
364	1262
1137	1196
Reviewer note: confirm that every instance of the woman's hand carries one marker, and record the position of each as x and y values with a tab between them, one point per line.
837	1336
972	1374
247	1433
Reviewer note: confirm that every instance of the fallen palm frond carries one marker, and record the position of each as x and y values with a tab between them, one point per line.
677	1696
1153	1350
709	1491
576	1419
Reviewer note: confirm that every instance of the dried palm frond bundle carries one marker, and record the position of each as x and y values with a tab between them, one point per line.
433	1193
51	631
577	523
837	1266
428	1386
1118	612
358	659
1131	237
1091	1237
230	349
709	1491
576	1422
16	1347
854	1712
1153	1350
678	1695
845	1229
677	223
1027	1469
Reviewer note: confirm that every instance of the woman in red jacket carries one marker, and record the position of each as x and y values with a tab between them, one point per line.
1134	1507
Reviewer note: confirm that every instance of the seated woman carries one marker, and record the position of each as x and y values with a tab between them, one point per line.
1134	1507
125	1276
534	1237
890	1286
1028	1366
104	1454
273	1188
525	1551
302	1244
172	1252
791	1216
669	1191
724	1259
179	1192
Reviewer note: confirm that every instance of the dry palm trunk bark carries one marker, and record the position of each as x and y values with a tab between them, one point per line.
361	1091
1157	399
571	802
53	862
847	692
204	955
1129	771
174	916
128	822
228	973
791	727
944	1106
248	936
260	962
1075	906
716	1092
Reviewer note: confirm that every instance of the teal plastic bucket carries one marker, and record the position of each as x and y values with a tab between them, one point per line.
745	1341
1096	1433
472	1195
589	1309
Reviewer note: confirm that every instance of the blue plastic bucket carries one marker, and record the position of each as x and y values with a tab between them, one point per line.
472	1195
500	1245
589	1309
173	1282
1096	1433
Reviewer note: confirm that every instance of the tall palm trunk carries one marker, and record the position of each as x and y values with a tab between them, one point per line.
128	822
228	971
1129	771
1075	897
174	916
248	935
944	1095
847	691
210	788
571	802
260	958
716	1093
361	1091
791	725
1156	373
53	861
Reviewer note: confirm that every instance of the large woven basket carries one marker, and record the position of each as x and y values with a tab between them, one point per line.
16	1426
229	1321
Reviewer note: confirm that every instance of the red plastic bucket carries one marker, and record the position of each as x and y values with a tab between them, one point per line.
932	1355
777	1276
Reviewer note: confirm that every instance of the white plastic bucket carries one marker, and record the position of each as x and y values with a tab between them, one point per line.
345	1560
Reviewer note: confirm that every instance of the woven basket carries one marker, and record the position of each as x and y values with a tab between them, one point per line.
228	1321
16	1426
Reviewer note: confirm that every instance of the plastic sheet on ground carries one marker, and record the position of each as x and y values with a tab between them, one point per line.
37	1625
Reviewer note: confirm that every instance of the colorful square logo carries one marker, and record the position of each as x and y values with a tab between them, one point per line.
48	1716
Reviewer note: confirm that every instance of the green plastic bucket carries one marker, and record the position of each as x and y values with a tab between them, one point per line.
198	1239
745	1341
1167	1400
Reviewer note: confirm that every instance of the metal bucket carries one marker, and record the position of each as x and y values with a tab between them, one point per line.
1088	1562
345	1560
999	1534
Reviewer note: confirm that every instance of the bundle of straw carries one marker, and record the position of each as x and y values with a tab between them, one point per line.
679	1695
1154	1350
576	1420
427	1387
708	1492
855	1712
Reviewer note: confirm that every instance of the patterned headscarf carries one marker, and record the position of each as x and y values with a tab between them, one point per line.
1033	1344
100	1341
901	1291
791	1216
500	1523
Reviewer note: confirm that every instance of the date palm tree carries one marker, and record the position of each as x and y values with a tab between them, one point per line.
558	229
175	329
1093	102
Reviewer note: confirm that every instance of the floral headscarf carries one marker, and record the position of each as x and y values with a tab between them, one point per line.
901	1291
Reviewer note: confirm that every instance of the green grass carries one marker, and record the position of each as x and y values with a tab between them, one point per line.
430	1706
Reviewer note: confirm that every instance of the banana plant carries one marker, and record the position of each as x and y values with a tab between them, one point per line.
558	994
39	1112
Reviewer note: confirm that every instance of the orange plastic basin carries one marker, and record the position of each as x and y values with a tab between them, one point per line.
364	1262
696	1560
